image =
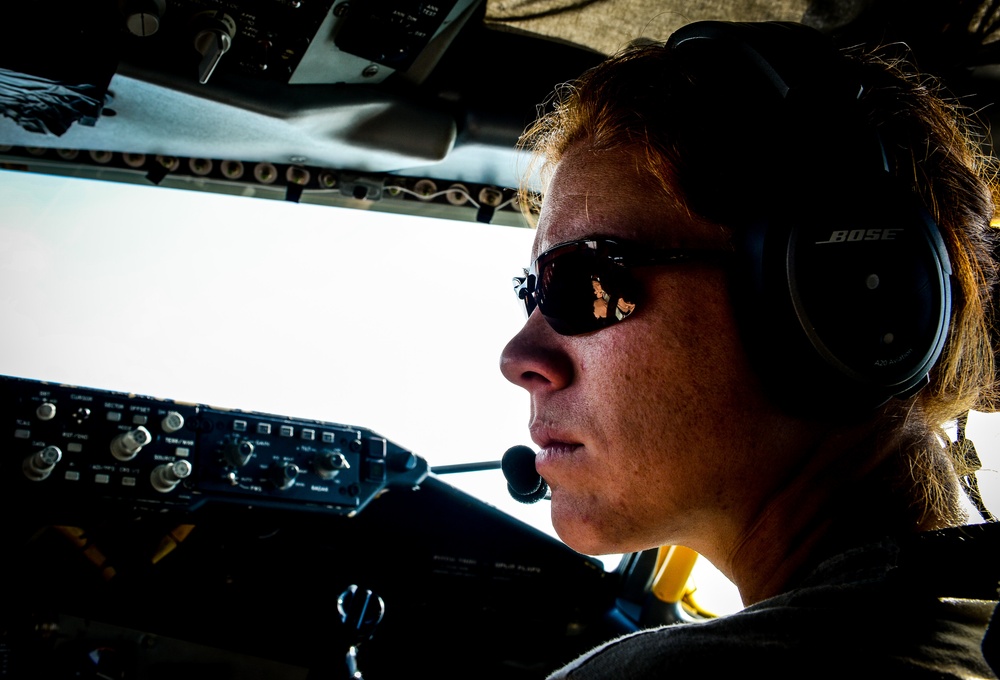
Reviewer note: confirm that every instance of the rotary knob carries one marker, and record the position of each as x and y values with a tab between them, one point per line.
40	464
126	445
166	477
142	17
285	475
237	452
172	422
360	610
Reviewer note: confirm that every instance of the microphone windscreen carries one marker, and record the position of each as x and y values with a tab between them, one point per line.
523	481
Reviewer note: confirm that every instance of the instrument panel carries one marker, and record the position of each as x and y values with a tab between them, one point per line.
78	443
154	538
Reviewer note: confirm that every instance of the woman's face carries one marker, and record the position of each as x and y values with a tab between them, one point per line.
653	430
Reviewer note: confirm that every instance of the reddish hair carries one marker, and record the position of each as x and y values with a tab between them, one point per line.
934	147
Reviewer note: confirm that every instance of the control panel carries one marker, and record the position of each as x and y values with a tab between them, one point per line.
392	32
287	41
67	445
259	39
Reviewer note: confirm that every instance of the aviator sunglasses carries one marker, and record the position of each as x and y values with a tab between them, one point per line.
587	285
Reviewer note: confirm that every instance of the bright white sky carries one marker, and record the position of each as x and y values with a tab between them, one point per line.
393	323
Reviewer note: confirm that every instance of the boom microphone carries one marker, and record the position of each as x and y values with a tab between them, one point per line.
523	481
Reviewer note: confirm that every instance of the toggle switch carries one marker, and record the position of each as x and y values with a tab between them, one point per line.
213	37
329	463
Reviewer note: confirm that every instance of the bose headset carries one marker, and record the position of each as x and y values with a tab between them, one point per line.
843	288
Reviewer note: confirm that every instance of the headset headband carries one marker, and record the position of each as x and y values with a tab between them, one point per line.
844	291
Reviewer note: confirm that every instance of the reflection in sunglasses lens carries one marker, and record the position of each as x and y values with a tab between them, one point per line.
586	285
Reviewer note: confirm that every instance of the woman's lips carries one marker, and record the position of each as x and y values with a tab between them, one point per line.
553	452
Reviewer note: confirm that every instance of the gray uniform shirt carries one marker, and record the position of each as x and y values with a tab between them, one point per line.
852	617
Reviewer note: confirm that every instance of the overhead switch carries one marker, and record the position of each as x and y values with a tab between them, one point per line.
213	38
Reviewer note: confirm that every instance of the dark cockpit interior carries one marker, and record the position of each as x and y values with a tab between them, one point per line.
148	537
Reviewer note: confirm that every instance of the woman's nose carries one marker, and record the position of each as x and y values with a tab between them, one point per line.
536	357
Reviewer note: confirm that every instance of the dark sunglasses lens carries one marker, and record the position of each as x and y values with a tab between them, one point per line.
580	291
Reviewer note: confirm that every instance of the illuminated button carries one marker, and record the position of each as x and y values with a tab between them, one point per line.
375	447
182	452
286	430
239	426
114	416
140	419
102	478
308	435
263	428
72	476
128	481
375	470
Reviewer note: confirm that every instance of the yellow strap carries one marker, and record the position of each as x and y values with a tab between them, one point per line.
675	563
171	541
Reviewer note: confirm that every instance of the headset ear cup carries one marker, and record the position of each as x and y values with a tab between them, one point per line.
856	308
843	287
874	295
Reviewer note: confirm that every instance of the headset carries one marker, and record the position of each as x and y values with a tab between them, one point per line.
843	287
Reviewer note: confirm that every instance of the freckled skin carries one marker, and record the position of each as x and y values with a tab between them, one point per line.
653	431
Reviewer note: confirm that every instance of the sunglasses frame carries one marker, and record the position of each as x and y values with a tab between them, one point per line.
619	256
